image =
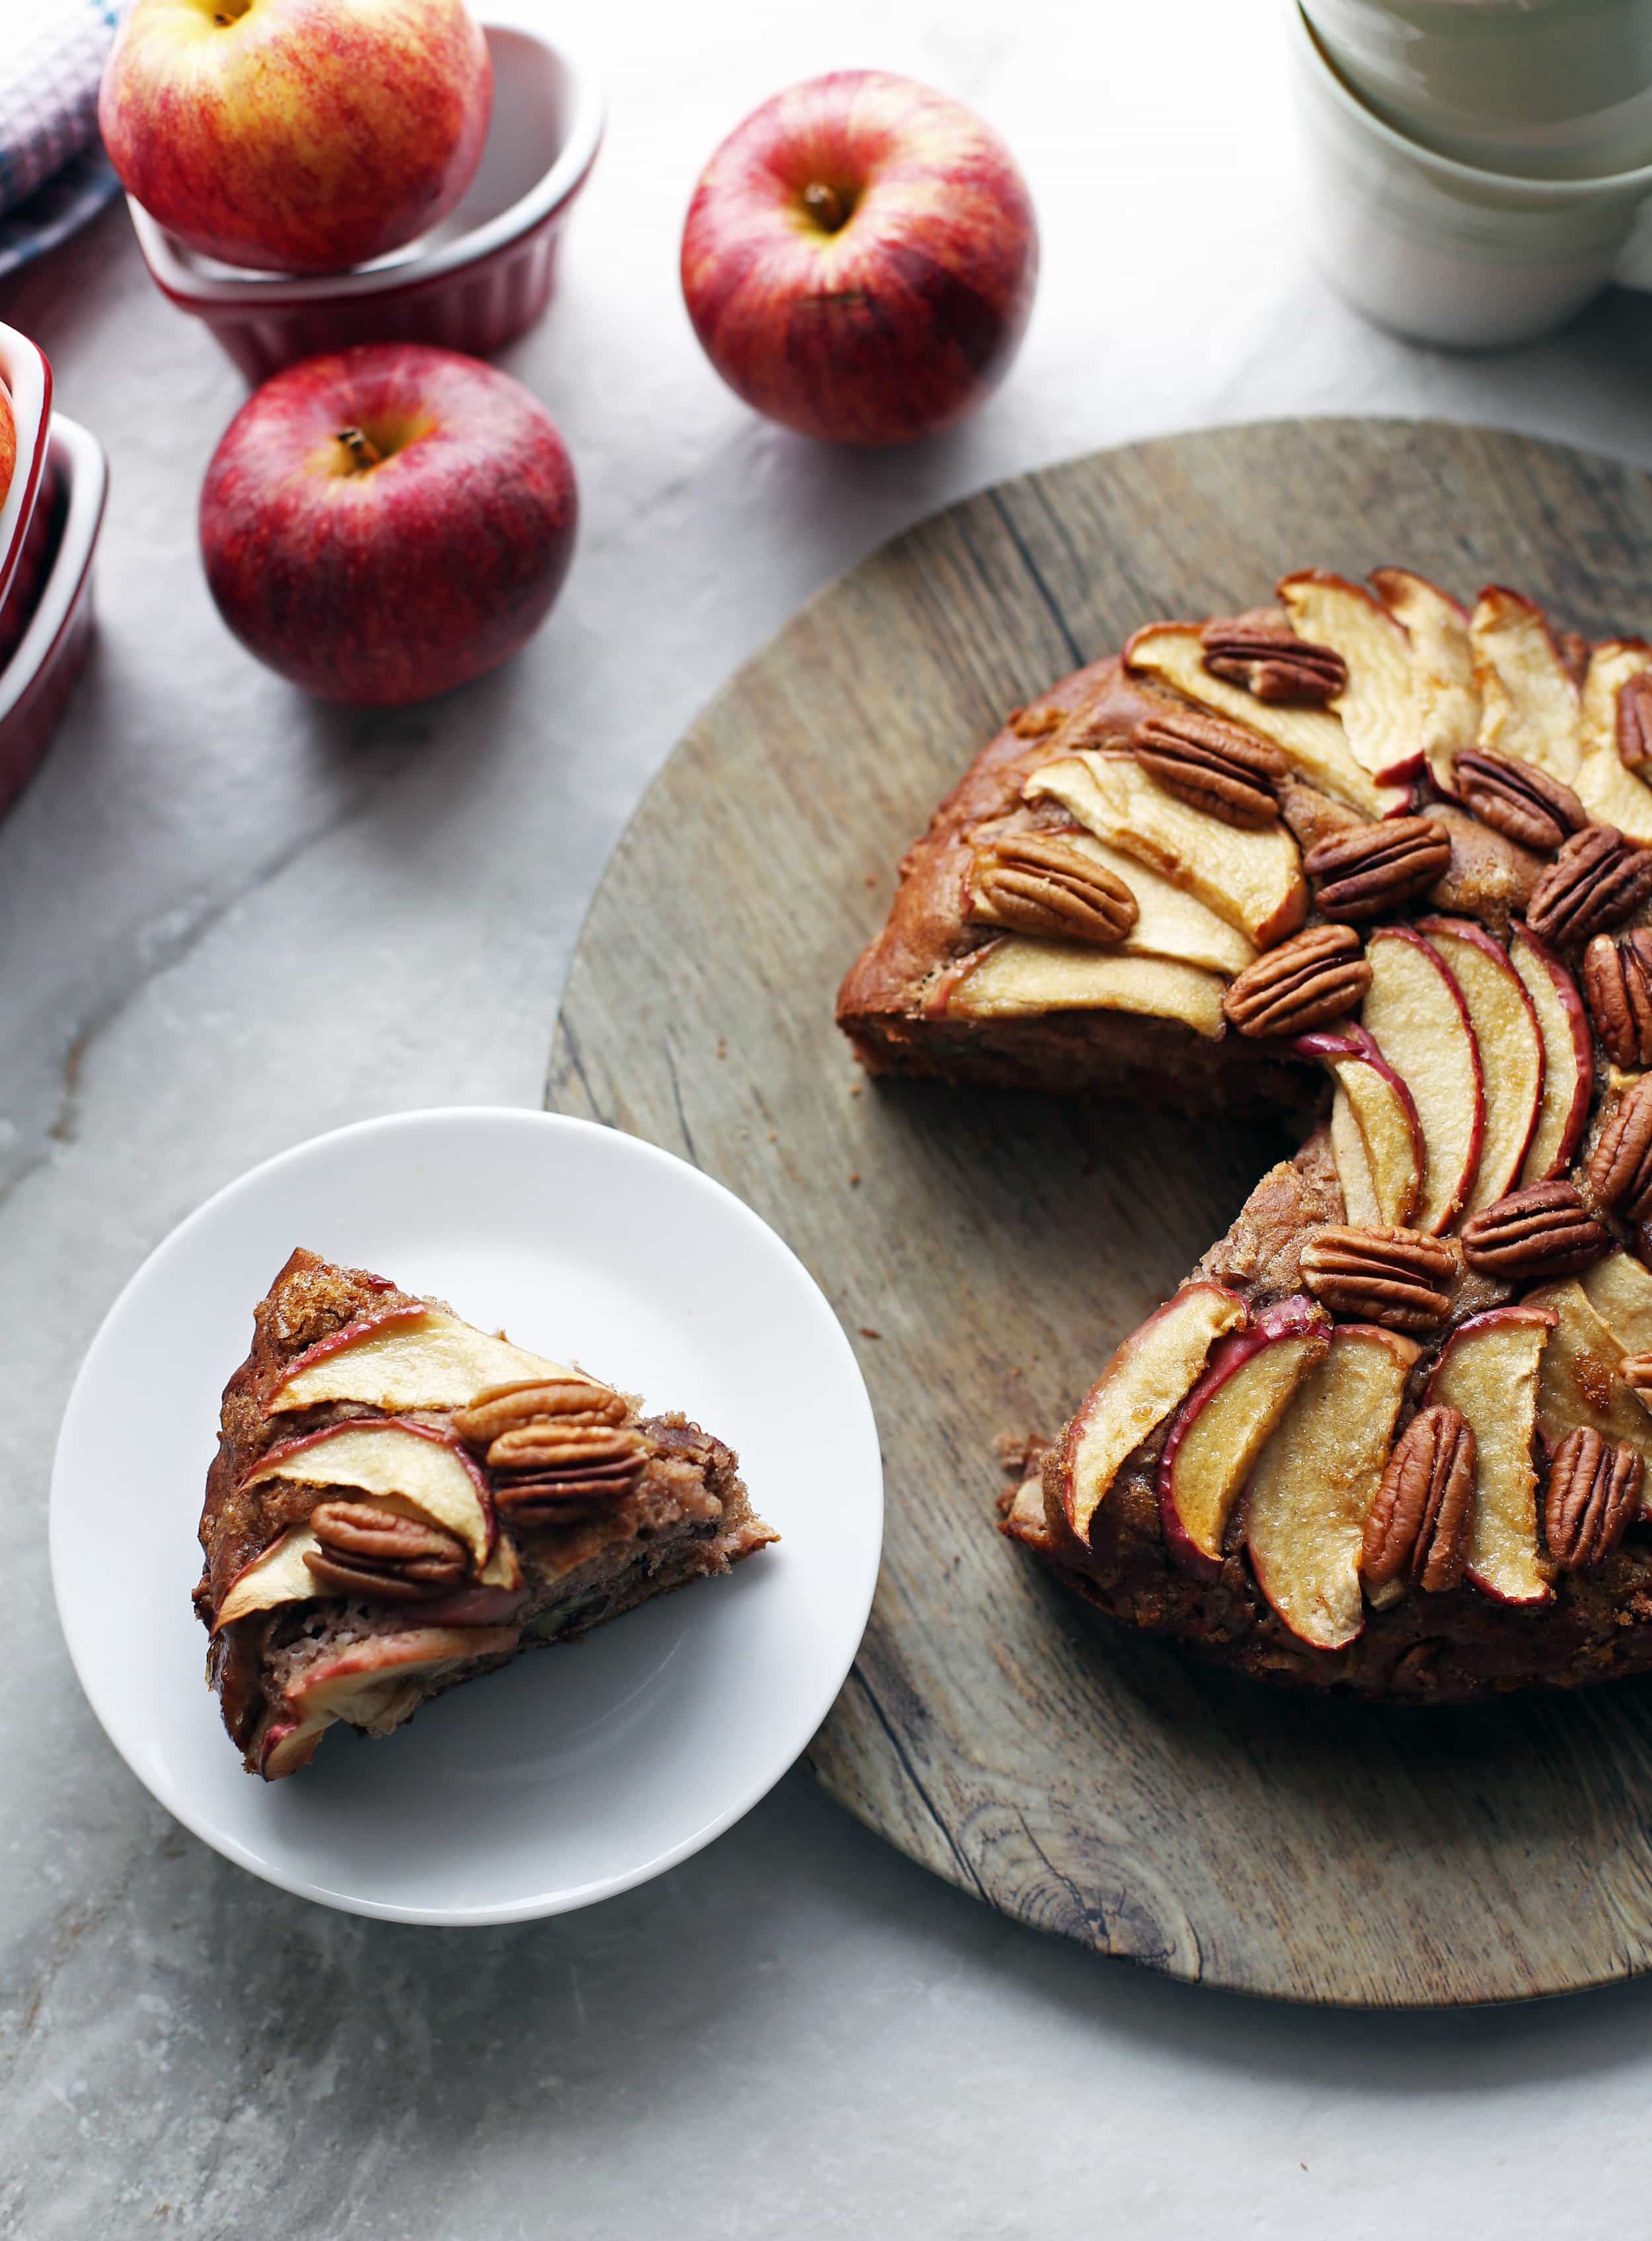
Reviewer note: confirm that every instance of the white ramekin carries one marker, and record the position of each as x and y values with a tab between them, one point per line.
1543	88
1434	249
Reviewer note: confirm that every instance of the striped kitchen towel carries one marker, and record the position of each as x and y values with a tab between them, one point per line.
53	176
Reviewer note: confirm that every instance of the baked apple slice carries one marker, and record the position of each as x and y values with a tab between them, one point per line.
1445	699
1022	976
1253	879
1221	1426
1489	1369
1376	1140
1511	1043
1414	1012
374	1685
1152	1373
1377	705
1529	706
1173	654
407	1467
1581	1382
409	1357
1619	1289
1568	1058
1315	1479
1611	794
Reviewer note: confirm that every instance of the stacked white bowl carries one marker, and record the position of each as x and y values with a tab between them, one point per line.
1476	166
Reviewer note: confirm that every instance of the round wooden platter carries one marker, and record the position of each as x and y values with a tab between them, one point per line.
986	1252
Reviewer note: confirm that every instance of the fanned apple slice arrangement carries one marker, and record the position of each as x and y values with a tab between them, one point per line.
1394	1431
401	1501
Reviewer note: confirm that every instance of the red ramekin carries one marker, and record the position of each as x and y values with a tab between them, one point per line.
35	682
475	283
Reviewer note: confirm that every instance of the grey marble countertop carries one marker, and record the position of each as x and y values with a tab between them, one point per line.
229	919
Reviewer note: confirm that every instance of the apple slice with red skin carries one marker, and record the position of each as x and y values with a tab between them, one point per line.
1529	704
1511	1049
279	1576
1376	1138
1152	1373
1376	706
1445	699
404	1465
364	1684
1489	1369
1568	1057
411	1357
1348	1154
1306	1498
1414	1012
1220	1428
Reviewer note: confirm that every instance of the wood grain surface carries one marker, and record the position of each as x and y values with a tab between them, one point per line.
986	1252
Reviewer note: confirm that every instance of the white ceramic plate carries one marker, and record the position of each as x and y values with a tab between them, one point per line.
577	1771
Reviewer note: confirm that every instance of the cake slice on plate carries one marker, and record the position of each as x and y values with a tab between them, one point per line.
400	1501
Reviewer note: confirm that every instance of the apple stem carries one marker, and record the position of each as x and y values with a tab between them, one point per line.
363	452
824	205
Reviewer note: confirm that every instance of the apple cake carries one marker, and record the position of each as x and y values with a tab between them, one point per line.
1368	857
401	1501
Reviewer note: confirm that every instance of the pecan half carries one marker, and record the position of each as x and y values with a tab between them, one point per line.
1617	981
1272	663
1318	975
1215	765
1397	1277
1517	800
556	1484
1635	1370
1597	881
1635	721
553	1444
497	1411
367	1550
1038	883
1421	1520
1368	869
1532	1235
1620	1161
1593	1490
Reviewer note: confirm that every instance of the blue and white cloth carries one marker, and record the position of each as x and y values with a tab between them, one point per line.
53	173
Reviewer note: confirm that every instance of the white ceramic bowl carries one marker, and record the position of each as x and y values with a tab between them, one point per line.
473	284
1434	249
1544	88
578	1771
28	379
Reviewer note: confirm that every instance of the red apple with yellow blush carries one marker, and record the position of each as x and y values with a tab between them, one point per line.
859	259
297	136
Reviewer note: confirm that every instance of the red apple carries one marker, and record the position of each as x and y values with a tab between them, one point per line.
297	136
385	523
859	259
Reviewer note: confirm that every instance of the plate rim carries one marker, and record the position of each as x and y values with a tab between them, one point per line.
541	1905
